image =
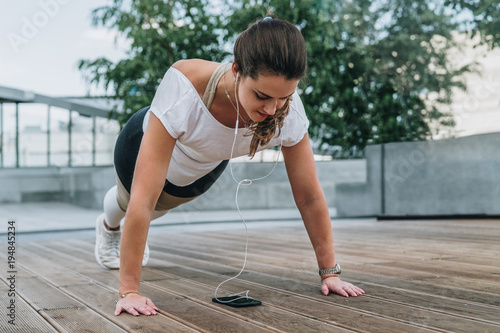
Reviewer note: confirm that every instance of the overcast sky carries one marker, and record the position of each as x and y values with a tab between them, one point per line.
41	42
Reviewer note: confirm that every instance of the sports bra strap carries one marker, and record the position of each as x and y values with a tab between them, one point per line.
209	94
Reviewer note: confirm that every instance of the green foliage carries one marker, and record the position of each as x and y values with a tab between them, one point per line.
161	33
377	71
482	19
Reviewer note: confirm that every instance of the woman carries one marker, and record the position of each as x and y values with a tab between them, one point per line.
202	115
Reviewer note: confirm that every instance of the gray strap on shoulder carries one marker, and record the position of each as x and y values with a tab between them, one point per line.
209	94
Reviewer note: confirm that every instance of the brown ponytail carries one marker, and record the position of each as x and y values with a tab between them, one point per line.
273	47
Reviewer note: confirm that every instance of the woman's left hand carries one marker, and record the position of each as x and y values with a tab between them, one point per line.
340	287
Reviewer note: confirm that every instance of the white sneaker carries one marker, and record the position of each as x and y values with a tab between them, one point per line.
107	246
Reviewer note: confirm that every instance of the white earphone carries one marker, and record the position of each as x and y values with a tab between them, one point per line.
239	183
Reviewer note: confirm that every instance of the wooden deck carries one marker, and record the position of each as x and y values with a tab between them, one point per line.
419	276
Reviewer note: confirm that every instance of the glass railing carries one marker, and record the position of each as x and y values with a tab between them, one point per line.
41	135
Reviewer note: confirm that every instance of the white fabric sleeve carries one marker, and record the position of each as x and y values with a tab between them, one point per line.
296	122
173	102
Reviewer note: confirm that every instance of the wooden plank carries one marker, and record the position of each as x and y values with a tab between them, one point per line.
81	319
426	249
269	317
96	300
109	277
279	242
63	252
430	286
381	307
449	305
183	309
394	290
311	315
402	257
477	273
279	261
48	268
43	296
266	242
397	310
465	289
26	319
465	283
411	271
61	310
103	300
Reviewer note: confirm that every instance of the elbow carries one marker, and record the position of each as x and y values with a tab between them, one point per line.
310	201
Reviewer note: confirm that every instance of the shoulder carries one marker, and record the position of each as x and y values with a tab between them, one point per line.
197	71
297	108
296	123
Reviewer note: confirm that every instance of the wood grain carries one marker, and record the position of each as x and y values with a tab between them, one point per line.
420	276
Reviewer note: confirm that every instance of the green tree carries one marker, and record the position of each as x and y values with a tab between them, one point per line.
377	70
479	18
161	33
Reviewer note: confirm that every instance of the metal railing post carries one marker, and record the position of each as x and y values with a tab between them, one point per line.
48	135
70	124
1	135
93	140
17	135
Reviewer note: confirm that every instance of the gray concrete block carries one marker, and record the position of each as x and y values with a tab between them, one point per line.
39	183
342	171
362	198
446	177
279	196
87	186
10	190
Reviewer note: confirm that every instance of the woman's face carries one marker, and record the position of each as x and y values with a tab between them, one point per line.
261	97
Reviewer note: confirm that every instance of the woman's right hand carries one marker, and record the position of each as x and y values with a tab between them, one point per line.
136	304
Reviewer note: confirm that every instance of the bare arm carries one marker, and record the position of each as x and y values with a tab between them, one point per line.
149	177
311	202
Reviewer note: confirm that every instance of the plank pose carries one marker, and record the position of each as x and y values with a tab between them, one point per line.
173	151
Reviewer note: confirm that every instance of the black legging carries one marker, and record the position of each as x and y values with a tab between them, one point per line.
127	149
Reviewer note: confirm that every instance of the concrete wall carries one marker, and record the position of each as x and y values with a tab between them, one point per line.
446	177
83	186
86	187
362	198
273	191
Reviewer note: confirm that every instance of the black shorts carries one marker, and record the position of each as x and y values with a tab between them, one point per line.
125	157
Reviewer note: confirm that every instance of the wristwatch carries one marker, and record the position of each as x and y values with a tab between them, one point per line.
331	270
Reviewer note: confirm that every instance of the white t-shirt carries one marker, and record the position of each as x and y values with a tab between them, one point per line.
203	142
